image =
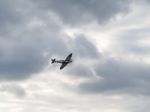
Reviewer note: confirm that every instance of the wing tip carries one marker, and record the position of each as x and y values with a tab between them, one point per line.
60	67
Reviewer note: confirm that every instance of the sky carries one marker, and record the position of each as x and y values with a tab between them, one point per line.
110	43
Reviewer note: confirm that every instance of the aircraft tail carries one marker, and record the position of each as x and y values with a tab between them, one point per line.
53	60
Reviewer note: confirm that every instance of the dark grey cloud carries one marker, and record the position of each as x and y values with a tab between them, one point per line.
119	77
25	49
143	2
8	12
11	13
75	12
84	53
19	62
79	70
83	48
23	55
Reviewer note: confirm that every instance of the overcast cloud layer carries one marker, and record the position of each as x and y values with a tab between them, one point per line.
110	43
82	11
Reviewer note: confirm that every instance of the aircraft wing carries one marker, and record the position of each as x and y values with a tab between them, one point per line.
63	65
69	57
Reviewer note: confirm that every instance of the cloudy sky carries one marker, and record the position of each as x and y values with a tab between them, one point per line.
110	43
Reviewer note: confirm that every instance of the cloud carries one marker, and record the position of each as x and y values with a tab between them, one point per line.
84	48
28	44
25	47
79	71
85	53
24	55
31	32
12	14
8	13
76	12
119	77
135	41
13	89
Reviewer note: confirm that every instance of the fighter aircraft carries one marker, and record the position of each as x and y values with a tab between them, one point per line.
63	62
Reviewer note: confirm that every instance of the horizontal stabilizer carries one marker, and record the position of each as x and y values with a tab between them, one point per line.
53	60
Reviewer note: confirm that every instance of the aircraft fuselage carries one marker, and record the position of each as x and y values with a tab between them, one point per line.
63	61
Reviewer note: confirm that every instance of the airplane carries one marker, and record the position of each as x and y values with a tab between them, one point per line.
63	62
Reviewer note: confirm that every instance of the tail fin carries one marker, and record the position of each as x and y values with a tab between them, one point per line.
53	60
